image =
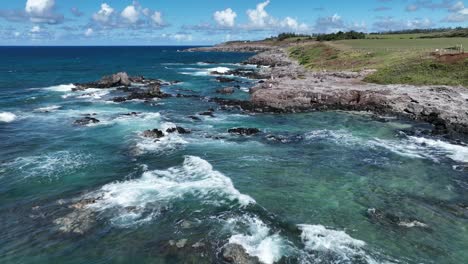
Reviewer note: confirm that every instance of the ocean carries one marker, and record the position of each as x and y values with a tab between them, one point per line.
319	187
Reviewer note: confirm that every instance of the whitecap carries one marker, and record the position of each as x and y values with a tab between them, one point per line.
410	146
344	248
47	109
61	88
7	117
170	141
196	177
50	165
219	69
260	242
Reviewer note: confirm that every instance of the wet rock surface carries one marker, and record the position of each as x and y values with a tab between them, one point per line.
86	121
234	253
153	133
226	90
244	131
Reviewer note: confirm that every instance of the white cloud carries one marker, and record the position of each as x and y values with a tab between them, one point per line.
104	14
39	7
182	37
258	17
89	32
225	18
459	13
292	24
35	29
130	14
157	18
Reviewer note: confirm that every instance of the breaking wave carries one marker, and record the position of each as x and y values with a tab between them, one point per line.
7	117
141	199
61	88
409	146
259	241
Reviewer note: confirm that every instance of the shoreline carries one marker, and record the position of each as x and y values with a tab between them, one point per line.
289	87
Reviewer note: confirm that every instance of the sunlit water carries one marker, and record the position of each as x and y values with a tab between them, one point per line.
324	187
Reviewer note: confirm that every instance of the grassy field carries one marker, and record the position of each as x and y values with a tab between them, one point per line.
404	44
397	60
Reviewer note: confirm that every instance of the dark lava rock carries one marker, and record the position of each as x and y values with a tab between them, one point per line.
385	218
178	129
119	99
207	113
224	79
196	118
154	133
234	253
244	131
132	114
86	121
226	90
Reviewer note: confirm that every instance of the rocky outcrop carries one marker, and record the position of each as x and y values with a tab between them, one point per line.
244	131
238	46
153	133
86	121
291	88
109	81
234	253
178	129
226	90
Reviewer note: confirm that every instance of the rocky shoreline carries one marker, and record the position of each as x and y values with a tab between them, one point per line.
288	87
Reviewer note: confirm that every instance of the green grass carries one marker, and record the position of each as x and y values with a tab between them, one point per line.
397	61
405	44
323	56
423	72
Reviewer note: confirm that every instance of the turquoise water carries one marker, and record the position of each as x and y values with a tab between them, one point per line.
324	187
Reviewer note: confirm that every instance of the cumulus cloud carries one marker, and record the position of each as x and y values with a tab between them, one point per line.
157	19
458	13
37	11
89	32
39	7
104	14
225	18
130	14
259	17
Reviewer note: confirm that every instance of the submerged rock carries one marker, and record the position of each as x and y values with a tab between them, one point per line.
154	133
224	79
207	113
234	253
244	131
77	222
386	218
226	90
86	121
178	129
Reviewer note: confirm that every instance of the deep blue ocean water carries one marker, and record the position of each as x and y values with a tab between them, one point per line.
322	187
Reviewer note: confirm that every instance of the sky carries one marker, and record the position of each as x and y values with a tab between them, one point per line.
203	22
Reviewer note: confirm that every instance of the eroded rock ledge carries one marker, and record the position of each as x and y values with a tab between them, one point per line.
288	87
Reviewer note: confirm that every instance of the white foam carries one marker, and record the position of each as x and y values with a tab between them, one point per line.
219	69
455	152
412	147
259	242
170	141
412	224
195	177
7	117
61	88
317	238
47	109
50	165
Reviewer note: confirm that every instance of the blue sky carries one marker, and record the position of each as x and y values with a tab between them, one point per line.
184	22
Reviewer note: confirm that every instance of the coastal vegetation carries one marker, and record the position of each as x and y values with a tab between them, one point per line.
398	58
